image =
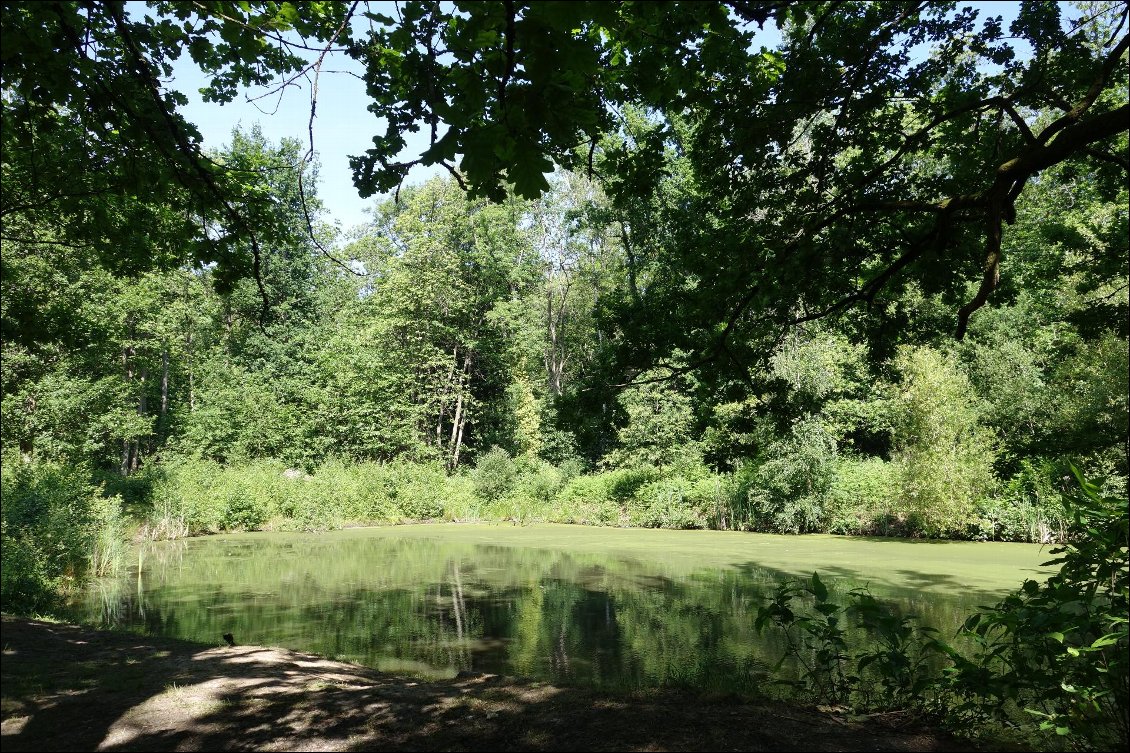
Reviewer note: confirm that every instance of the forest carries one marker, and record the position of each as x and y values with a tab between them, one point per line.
669	279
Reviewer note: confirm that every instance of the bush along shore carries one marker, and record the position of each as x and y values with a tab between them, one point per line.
61	525
1049	659
821	284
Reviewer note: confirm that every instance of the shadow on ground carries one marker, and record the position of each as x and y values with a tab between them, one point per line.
71	688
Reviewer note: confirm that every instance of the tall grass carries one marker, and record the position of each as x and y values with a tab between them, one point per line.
199	496
858	497
56	530
110	546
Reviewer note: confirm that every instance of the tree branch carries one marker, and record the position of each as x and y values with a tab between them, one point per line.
1092	94
187	150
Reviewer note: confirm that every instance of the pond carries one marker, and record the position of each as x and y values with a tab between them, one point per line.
620	609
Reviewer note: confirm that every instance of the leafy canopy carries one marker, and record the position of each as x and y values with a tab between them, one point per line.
882	143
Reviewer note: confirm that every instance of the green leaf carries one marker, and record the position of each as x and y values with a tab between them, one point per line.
527	176
826	608
1108	640
819	590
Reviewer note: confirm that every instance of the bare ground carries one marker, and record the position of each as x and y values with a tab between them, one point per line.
72	688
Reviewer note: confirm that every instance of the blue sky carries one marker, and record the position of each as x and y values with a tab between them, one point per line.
343	126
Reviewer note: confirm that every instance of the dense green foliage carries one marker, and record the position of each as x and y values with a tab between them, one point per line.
1059	649
56	530
676	279
1050	658
481	343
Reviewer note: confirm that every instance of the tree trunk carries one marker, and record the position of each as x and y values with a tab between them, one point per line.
164	383
555	332
551	334
191	381
460	412
142	409
443	397
127	372
459	442
456	419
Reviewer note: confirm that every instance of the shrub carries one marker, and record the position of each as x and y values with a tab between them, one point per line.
56	529
208	497
183	498
369	499
570	468
1013	518
544	483
741	515
588	500
943	454
422	490
200	496
1059	649
892	670
681	502
860	496
1029	507
243	505
625	483
494	475
711	495
663	504
789	491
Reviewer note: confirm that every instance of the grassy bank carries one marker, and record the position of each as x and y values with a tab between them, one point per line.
62	523
195	496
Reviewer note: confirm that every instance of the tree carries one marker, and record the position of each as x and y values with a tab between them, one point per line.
435	359
944	455
825	173
96	154
884	143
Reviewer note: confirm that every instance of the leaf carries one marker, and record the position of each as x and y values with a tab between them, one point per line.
1108	640
527	175
287	16
819	590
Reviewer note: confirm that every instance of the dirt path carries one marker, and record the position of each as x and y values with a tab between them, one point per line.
72	688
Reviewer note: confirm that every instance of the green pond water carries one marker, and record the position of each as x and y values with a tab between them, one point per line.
621	609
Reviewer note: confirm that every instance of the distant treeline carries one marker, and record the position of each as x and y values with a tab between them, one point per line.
463	360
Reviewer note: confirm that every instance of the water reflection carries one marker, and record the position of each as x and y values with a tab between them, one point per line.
438	607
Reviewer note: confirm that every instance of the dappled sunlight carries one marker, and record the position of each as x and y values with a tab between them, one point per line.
570	605
740	353
13	726
183	696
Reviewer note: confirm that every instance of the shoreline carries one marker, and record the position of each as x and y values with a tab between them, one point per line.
67	687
